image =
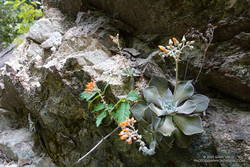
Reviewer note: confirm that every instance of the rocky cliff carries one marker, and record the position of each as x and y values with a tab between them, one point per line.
41	82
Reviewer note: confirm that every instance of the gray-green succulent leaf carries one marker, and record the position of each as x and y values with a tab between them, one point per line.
167	95
167	127
187	108
152	95
140	112
184	90
189	125
159	112
201	102
160	83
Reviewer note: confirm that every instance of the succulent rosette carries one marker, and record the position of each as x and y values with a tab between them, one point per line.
172	114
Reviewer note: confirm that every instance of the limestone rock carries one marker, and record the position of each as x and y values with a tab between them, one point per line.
54	40
43	29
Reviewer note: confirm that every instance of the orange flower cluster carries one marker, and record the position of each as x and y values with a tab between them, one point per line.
167	49
128	132
90	86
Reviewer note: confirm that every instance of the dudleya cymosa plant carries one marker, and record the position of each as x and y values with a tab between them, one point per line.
174	115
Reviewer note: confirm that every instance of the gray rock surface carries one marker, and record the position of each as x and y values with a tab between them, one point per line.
17	145
43	29
227	70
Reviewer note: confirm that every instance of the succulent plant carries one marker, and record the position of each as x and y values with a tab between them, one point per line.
172	115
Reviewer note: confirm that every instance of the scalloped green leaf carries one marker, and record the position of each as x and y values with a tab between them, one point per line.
87	95
100	118
152	95
184	90
187	108
133	96
122	112
201	102
99	107
189	125
168	127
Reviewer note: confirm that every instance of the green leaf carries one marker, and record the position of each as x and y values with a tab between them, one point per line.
87	95
160	83
184	90
99	107
187	108
189	125
167	127
122	112
110	107
152	95
182	140
100	117
201	102
133	95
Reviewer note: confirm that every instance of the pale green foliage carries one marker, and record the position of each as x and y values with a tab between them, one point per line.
8	21
27	12
16	17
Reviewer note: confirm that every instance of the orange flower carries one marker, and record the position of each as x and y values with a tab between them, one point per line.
129	141
125	130
162	48
175	41
90	86
124	124
124	137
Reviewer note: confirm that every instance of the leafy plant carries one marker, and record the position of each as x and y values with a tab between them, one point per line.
118	111
16	17
27	12
8	21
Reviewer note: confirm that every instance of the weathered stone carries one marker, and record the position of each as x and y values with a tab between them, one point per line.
42	30
54	40
17	145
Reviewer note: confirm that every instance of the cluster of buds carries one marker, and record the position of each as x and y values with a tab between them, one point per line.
90	86
129	133
174	49
116	40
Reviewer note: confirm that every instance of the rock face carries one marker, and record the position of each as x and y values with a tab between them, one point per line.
227	70
17	146
45	75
